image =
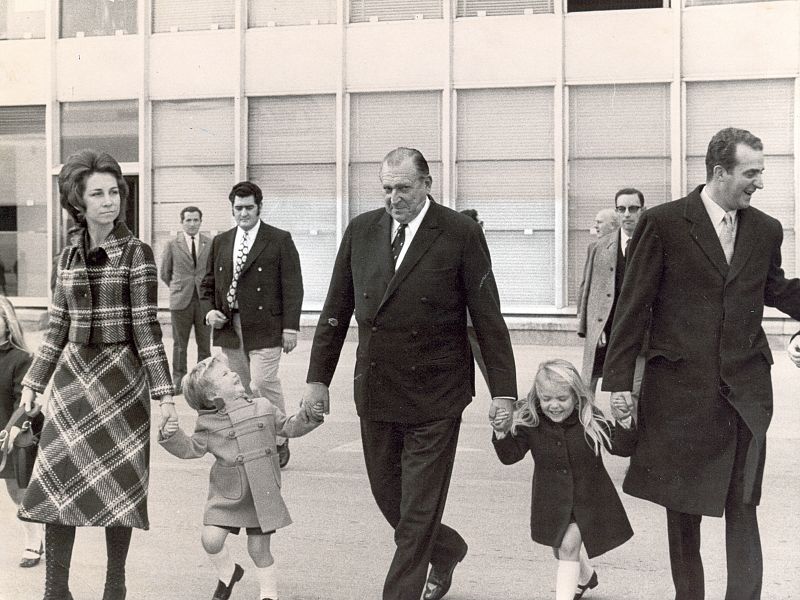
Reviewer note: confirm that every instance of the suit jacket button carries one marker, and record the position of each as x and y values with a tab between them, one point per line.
608	295
260	308
372	364
599	319
374	330
220	268
414	368
258	289
424	300
259	268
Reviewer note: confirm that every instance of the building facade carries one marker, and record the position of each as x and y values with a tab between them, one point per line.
533	112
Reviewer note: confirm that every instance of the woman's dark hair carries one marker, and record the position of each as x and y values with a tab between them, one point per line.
72	181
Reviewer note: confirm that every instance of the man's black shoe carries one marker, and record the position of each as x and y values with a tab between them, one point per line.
438	583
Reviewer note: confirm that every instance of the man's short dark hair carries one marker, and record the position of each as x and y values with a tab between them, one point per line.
243	189
399	155
629	192
722	148
471	213
187	209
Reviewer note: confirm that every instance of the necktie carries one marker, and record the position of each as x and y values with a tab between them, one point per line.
625	248
194	253
726	237
398	241
241	257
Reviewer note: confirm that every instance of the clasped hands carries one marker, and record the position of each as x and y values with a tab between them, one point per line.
501	412
316	402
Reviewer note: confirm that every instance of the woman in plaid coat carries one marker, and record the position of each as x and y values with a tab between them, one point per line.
104	353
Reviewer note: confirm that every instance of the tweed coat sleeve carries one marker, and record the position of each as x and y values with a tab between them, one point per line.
291	284
57	334
181	445
144	320
511	449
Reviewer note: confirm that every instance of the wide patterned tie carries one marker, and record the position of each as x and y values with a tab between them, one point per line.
241	257
726	237
194	253
398	242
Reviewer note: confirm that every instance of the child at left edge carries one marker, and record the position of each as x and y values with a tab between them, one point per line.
575	508
244	483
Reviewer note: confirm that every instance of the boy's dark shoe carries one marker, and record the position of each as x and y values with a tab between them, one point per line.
590	585
283	453
223	592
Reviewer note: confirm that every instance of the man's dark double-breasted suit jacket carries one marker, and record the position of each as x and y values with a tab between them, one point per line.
269	291
414	362
707	351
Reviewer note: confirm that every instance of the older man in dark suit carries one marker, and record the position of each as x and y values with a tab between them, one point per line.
410	271
253	294
183	266
700	271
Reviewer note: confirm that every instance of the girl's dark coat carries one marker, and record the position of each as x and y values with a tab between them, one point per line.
571	482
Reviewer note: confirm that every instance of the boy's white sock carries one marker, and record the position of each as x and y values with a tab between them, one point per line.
224	565
586	567
567	579
268	580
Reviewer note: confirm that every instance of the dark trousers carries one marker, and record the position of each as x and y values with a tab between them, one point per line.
742	540
409	468
182	322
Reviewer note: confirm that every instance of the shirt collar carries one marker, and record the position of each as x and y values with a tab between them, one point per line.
715	212
414	224
252	233
623	237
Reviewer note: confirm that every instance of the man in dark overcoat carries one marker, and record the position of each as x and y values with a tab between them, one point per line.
700	271
410	271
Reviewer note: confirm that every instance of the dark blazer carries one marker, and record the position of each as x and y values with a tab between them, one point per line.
705	339
270	288
413	362
178	271
570	481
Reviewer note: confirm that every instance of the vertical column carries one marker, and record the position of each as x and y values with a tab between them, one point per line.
677	116
796	150
448	115
51	129
239	98
342	125
145	127
560	152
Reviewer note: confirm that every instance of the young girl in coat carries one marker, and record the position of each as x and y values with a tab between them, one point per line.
575	503
244	483
14	362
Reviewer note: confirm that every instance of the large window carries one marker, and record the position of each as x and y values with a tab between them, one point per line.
389	10
505	164
765	108
264	13
111	127
23	202
21	19
292	158
382	122
491	8
180	15
97	17
193	156
619	136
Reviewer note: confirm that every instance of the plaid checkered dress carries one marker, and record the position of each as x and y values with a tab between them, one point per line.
92	468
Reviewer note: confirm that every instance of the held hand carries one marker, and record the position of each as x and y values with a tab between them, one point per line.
794	350
317	411
506	404
315	395
216	319
169	428
289	341
621	405
29	401
501	421
168	412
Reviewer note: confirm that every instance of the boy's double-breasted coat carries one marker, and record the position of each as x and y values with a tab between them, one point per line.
244	487
570	482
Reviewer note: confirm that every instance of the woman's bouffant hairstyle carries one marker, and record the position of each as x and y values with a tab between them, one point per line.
72	181
558	371
197	387
13	328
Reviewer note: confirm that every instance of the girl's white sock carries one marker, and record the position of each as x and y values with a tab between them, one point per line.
567	579
586	567
224	565
268	580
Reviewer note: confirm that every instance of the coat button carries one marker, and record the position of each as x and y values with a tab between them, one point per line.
608	295
564	471
424	300
231	434
599	319
260	425
558	443
366	295
413	332
372	364
268	451
414	368
374	330
220	268
260	308
240	459
258	289
259	268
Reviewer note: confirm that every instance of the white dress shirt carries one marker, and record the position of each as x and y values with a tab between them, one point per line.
717	214
411	231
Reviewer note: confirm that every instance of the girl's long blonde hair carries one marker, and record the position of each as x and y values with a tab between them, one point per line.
558	371
15	333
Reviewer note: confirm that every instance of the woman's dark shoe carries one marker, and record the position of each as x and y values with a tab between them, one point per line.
31	558
590	585
115	592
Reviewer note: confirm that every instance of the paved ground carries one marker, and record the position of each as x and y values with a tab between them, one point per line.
339	546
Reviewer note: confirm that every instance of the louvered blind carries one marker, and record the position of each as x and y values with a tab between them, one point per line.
292	157
290	12
193	132
619	137
765	108
196	15
111	127
390	10
381	122
97	18
21	120
504	166
470	8
21	20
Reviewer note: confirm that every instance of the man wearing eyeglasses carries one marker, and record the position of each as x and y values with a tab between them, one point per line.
602	282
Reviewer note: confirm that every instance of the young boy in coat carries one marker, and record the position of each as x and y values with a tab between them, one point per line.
244	484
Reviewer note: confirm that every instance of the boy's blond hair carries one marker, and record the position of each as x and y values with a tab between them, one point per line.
197	387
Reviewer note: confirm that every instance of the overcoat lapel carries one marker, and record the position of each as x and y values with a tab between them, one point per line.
746	239
702	232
